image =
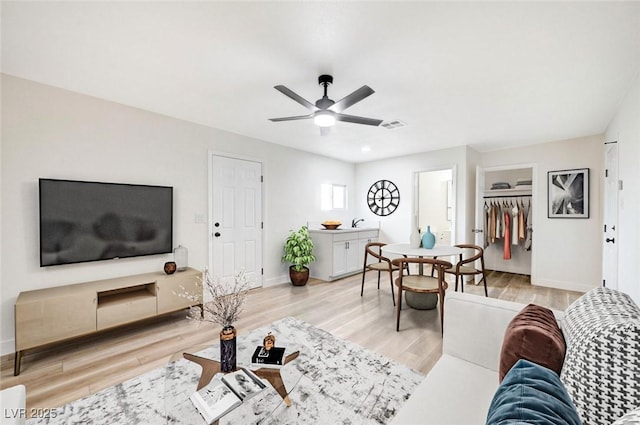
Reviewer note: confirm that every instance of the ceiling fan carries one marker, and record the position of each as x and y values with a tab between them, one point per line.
326	112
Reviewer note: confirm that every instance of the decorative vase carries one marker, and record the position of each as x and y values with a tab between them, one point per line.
228	349
181	257
170	267
414	237
428	239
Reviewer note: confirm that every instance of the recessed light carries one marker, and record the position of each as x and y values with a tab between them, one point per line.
366	149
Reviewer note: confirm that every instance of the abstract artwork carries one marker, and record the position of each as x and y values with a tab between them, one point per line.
568	195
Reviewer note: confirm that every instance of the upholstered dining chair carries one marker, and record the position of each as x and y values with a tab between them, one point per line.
383	264
466	267
421	283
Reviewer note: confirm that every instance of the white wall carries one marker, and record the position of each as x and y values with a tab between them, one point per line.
48	132
566	252
625	128
396	227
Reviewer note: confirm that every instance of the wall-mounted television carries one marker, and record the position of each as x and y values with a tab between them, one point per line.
89	221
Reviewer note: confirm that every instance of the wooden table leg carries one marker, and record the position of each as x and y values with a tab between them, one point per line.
17	358
209	368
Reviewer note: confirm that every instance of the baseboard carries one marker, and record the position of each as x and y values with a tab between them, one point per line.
278	280
567	286
7	347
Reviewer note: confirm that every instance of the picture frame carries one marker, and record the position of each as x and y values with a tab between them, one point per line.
568	193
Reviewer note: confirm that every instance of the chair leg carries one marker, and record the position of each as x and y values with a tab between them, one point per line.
456	288
399	308
393	297
461	283
378	280
441	296
484	280
362	289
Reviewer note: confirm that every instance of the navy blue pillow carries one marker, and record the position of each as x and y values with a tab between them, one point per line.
532	394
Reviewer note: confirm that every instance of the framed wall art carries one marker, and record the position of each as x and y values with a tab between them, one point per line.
568	193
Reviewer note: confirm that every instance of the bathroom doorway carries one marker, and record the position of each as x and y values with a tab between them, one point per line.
435	204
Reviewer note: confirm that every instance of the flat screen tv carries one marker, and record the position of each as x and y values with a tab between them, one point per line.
90	221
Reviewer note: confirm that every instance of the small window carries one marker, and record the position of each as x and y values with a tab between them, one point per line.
333	197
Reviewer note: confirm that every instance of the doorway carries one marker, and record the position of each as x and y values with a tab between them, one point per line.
510	188
235	205
435	204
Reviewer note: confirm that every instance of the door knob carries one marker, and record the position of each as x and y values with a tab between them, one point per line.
613	240
216	234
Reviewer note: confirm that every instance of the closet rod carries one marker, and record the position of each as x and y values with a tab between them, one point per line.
507	196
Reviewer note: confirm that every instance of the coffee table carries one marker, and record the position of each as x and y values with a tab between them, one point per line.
189	370
332	381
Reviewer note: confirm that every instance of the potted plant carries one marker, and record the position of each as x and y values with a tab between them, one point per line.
298	250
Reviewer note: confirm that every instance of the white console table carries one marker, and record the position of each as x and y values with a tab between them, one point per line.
49	315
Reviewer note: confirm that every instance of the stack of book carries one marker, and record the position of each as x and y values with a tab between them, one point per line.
273	357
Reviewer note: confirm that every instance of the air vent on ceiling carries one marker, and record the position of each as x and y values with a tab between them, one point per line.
390	125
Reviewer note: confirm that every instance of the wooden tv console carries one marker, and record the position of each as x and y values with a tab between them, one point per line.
45	316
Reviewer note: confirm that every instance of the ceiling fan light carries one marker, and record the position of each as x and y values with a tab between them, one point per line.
324	119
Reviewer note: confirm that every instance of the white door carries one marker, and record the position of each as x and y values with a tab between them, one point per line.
609	241
236	214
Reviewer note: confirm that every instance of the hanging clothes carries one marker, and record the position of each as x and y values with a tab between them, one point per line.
529	230
492	223
499	220
521	222
514	224
485	230
507	235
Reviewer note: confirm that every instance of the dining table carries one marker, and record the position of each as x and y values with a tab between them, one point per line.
407	250
417	300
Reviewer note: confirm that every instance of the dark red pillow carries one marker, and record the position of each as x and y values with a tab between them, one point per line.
533	335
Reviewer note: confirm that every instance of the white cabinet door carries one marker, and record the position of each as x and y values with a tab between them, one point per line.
355	255
362	243
339	258
347	256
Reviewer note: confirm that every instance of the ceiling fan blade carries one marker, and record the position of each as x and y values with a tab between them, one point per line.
351	99
358	120
289	93
298	117
324	131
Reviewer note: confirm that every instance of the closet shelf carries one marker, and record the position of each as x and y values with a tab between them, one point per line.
507	192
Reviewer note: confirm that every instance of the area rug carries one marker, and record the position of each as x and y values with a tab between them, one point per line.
332	381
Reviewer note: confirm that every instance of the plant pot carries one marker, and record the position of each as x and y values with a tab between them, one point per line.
299	278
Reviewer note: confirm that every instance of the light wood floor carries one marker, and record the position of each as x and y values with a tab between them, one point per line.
66	372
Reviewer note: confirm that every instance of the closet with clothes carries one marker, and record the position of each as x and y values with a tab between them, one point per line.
507	229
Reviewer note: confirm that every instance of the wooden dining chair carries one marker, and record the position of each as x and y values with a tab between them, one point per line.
382	264
421	283
466	267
